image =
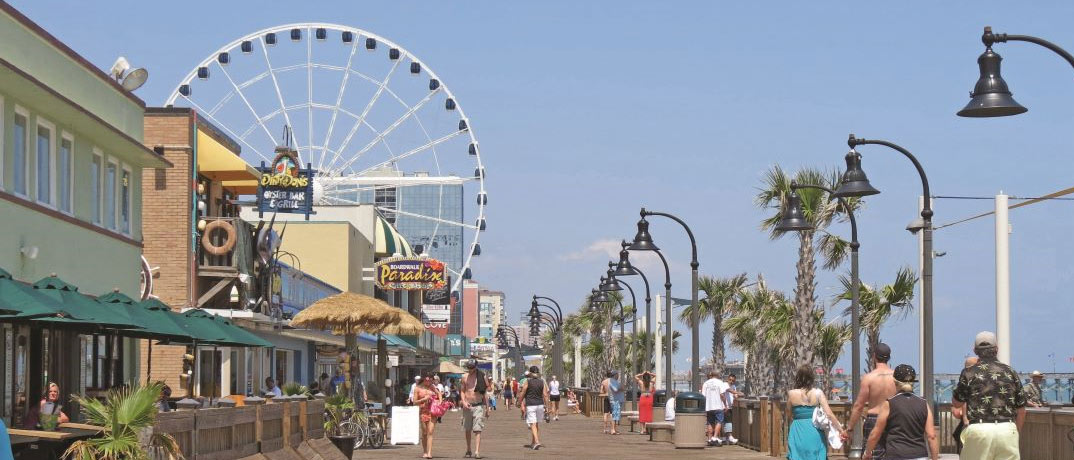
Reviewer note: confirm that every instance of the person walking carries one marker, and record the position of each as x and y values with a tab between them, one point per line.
612	391
532	399
508	392
645	401
995	404
960	413
475	389
425	396
714	391
906	423
1034	394
495	395
804	440
553	397
876	387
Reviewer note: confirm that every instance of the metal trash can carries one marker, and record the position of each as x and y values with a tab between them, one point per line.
689	421
660	400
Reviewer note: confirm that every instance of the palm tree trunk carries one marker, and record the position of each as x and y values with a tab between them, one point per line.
873	337
802	323
717	344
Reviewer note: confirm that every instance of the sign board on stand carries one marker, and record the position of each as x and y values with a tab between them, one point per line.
405	425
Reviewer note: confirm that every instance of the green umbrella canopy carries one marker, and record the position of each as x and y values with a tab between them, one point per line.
19	300
81	307
204	322
154	316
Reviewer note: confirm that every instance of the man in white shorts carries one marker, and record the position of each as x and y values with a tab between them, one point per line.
532	399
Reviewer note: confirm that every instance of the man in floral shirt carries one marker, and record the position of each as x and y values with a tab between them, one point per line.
994	402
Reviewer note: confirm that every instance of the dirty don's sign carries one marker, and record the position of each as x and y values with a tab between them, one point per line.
410	273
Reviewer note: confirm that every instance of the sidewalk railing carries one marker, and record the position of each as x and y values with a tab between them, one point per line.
236	432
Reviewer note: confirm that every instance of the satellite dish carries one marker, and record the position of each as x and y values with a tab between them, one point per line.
135	79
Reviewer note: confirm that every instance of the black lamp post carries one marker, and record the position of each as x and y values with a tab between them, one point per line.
508	332
625	268
557	347
633	326
793	220
855	184
643	241
990	96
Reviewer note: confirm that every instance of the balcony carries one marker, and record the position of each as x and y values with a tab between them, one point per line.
230	262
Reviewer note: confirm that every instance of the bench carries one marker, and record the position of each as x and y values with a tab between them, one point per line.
661	431
625	415
633	421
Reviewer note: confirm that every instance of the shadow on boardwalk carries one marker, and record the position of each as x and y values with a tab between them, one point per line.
572	436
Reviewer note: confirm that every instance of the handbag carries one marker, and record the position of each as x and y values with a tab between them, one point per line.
439	407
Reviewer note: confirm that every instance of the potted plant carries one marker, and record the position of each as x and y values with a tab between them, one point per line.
124	414
295	389
337	425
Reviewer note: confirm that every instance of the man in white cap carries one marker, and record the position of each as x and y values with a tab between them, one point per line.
994	401
410	398
1034	394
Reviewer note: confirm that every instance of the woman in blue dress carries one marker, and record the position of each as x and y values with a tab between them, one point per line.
805	441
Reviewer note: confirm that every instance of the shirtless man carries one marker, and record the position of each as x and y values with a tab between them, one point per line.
474	406
876	387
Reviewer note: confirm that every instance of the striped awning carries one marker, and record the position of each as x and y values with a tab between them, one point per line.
389	241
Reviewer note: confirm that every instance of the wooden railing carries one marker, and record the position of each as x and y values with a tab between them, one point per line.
236	432
1048	434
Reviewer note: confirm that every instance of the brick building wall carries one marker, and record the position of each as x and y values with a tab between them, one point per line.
166	207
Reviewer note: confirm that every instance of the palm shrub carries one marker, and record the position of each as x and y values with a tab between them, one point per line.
124	414
336	407
879	305
295	388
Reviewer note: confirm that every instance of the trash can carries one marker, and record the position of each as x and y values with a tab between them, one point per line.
660	400
689	421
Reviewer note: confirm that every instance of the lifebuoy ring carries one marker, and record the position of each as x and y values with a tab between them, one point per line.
229	243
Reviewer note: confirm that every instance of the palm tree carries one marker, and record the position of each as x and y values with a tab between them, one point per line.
760	326
720	296
877	306
820	211
126	412
833	336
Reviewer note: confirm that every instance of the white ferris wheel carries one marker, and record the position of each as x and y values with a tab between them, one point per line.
377	124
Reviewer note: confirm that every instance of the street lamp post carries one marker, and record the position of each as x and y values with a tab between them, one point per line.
633	326
855	184
625	268
695	334
794	220
643	241
990	96
557	347
503	333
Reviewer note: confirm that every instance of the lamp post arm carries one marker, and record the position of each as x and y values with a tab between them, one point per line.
551	313
843	203
633	299
667	270
693	242
926	211
559	310
645	279
989	38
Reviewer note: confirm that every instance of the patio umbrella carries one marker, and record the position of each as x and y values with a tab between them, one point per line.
19	300
82	308
404	324
159	321
217	330
448	367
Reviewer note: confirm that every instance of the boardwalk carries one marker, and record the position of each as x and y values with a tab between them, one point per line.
572	436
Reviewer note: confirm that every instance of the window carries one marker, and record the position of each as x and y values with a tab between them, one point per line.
110	195
96	167
65	173
125	201
44	162
20	163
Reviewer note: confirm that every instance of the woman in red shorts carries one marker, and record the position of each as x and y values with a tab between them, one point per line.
645	403
424	397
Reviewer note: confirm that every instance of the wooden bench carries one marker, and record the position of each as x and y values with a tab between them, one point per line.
661	431
633	421
624	417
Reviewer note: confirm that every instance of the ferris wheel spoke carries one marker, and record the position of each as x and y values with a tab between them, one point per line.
309	91
339	101
397	123
279	94
245	101
225	128
408	153
365	111
435	219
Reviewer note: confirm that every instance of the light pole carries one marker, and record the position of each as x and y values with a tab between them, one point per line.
625	268
855	184
633	325
794	220
643	241
557	347
990	96
695	334
503	336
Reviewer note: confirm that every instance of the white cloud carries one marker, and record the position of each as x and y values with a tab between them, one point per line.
606	248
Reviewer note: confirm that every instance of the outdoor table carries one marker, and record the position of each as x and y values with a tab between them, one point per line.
32	444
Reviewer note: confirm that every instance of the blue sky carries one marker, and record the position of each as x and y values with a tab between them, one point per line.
587	111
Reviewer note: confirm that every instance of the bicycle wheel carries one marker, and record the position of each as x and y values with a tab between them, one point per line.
376	436
351	428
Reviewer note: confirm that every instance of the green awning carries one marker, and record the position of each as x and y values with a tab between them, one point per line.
82	309
396	341
156	318
19	301
208	324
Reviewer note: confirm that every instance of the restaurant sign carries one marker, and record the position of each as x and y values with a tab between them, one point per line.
284	186
410	273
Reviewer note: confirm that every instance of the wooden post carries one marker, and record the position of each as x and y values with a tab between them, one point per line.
286	424
766	422
302	421
258	428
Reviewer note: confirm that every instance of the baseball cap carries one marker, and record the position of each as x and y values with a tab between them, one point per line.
882	351
905	373
535	370
417	378
984	339
470	364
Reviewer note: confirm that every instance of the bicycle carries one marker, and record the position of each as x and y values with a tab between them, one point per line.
367	430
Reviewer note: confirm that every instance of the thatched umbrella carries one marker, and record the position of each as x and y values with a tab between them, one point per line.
448	367
349	313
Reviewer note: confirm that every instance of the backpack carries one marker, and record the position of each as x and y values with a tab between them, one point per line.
481	386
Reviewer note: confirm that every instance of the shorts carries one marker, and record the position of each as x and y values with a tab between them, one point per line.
553	398
534	414
714	417
727	421
867	428
473	419
617	410
607	405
